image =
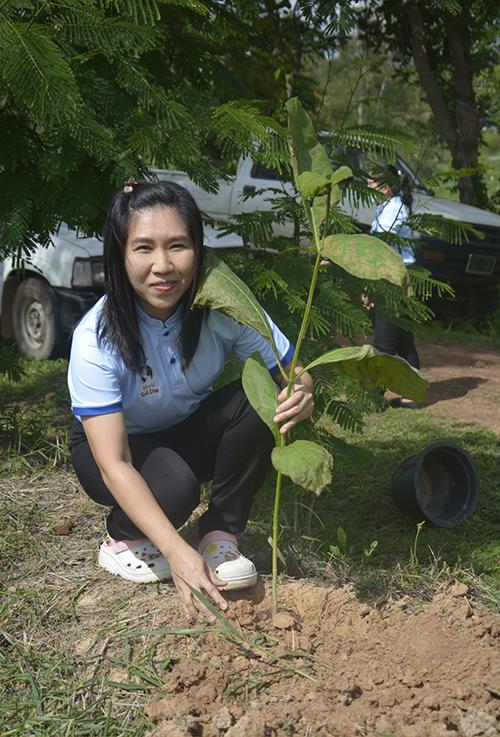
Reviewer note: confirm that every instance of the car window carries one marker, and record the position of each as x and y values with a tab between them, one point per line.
416	183
259	171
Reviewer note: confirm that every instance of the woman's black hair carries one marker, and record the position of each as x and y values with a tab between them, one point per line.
399	182
118	323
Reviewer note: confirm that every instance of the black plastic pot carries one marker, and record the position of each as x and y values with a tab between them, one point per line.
440	484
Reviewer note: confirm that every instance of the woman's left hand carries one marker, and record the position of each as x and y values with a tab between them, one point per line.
298	406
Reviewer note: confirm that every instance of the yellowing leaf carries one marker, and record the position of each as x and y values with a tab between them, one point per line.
366	257
373	369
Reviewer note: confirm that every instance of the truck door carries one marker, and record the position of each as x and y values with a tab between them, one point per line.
255	188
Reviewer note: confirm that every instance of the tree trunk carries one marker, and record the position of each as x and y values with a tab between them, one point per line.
460	126
293	78
472	189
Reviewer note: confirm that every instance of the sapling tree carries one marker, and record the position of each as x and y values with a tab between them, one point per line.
305	462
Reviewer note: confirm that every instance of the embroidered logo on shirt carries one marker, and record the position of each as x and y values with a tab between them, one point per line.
149	386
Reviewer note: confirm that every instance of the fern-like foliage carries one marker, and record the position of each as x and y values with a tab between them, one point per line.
452	175
336	19
94	91
240	128
36	73
452	231
140	11
424	286
366	139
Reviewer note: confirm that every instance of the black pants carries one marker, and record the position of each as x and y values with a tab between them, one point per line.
392	339
224	441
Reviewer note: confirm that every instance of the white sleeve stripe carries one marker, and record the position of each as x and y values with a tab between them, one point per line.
285	360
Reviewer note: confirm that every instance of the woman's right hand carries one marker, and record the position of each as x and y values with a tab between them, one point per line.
189	567
366	301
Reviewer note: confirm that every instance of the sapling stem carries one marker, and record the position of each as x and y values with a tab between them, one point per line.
290	382
277	499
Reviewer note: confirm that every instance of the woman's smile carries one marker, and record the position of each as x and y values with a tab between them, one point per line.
165	286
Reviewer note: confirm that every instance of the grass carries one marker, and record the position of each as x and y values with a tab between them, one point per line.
81	655
485	330
35	418
376	537
80	652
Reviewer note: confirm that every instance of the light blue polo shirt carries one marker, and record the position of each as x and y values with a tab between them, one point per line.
163	395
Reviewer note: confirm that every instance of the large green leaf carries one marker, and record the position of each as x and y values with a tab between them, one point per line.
366	257
312	185
220	289
373	369
262	392
341	174
307	153
306	463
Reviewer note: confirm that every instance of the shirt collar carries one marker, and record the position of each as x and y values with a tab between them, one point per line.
172	323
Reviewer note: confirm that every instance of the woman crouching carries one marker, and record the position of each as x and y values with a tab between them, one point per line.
149	428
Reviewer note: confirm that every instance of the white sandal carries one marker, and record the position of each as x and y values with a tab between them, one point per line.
135	560
222	555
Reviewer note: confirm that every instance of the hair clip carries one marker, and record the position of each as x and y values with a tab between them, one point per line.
129	185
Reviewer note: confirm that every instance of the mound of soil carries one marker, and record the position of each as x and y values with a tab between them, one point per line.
330	664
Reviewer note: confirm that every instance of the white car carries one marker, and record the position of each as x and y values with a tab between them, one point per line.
41	304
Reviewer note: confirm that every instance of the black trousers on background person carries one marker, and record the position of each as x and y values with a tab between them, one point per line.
224	441
391	339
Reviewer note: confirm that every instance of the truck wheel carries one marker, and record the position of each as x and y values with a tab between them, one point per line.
488	302
466	306
460	308
34	320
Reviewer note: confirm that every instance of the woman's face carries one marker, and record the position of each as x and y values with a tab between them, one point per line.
159	259
383	188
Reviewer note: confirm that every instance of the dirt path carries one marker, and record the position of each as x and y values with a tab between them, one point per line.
464	382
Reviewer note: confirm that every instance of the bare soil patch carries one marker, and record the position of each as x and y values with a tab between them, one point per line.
464	382
388	667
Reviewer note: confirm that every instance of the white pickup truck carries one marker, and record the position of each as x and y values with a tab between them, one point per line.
40	306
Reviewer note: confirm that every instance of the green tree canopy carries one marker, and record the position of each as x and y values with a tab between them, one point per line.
93	91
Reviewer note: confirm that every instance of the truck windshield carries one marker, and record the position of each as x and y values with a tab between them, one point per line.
359	161
416	183
362	163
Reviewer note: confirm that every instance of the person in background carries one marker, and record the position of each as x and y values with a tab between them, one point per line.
149	427
391	216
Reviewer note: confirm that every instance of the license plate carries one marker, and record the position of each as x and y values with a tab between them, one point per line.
481	265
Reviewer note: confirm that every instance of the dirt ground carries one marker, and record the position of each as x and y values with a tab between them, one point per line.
464	381
380	668
331	665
